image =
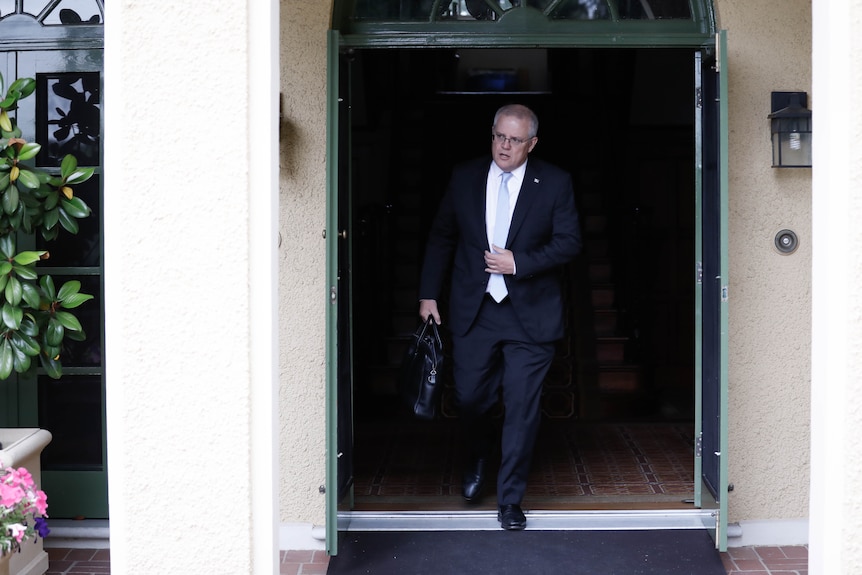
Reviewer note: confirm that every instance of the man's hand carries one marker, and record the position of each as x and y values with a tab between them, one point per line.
500	261
428	307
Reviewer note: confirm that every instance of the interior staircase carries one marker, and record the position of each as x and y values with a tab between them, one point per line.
611	377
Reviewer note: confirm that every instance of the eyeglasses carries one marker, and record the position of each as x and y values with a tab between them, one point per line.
501	139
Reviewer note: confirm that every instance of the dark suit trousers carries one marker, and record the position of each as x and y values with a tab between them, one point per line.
497	354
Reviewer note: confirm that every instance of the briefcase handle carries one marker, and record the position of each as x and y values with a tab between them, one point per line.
436	334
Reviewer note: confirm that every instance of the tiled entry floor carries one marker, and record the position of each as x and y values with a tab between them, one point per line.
408	465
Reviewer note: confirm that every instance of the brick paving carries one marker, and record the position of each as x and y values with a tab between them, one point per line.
63	561
304	563
789	560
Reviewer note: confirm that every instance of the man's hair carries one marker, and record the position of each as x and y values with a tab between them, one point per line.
522	113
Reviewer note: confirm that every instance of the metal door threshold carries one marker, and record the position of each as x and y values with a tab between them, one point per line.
536	520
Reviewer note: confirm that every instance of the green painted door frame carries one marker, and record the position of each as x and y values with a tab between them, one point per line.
720	478
643	36
339	343
332	164
698	273
711	280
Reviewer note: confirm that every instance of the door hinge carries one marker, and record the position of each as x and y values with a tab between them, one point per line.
698	98
699	273
717	515
698	445
718	55
724	295
333	294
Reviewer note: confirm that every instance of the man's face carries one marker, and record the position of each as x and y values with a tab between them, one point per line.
507	154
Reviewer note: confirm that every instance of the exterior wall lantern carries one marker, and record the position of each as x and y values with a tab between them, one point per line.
791	130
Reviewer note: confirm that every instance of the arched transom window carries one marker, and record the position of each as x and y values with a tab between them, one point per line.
465	10
55	12
499	23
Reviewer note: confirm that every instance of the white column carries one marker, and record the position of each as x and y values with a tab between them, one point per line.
263	273
836	394
190	243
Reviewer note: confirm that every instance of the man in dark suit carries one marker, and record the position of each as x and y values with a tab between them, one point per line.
505	228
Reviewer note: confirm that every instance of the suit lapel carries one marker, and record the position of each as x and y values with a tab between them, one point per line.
477	189
526	198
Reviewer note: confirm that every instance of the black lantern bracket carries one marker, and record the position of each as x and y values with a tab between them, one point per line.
791	130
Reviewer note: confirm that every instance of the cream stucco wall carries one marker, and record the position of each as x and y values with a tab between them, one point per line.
302	283
769	49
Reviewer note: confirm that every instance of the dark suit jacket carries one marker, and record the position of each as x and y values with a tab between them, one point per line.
544	235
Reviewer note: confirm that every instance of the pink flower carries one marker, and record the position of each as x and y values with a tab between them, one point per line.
20	503
41	502
10	495
17	531
20	476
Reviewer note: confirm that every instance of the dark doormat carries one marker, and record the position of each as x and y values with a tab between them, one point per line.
660	552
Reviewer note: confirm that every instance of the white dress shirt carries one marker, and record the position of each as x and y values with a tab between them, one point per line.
492	188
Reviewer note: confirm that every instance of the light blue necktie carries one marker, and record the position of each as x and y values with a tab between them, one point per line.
497	285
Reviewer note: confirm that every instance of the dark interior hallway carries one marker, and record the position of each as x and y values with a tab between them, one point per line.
621	121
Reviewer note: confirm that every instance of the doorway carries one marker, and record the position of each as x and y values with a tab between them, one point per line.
618	405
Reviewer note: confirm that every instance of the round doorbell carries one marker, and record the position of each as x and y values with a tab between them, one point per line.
786	241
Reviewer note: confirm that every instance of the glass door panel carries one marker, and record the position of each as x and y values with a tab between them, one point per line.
65	117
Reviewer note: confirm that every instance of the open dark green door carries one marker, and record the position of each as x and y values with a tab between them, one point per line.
711	484
339	476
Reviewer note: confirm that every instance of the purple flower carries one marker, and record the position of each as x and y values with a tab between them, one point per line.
42	527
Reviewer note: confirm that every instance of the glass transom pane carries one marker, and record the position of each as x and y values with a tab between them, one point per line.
654	9
489	10
74	12
6	7
69	117
582	10
64	12
34	7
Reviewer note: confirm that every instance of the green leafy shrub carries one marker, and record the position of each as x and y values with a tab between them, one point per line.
34	316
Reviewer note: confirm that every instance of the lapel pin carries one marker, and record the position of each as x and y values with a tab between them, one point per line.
535	180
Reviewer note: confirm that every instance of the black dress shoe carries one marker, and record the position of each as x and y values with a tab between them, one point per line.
474	480
511	517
